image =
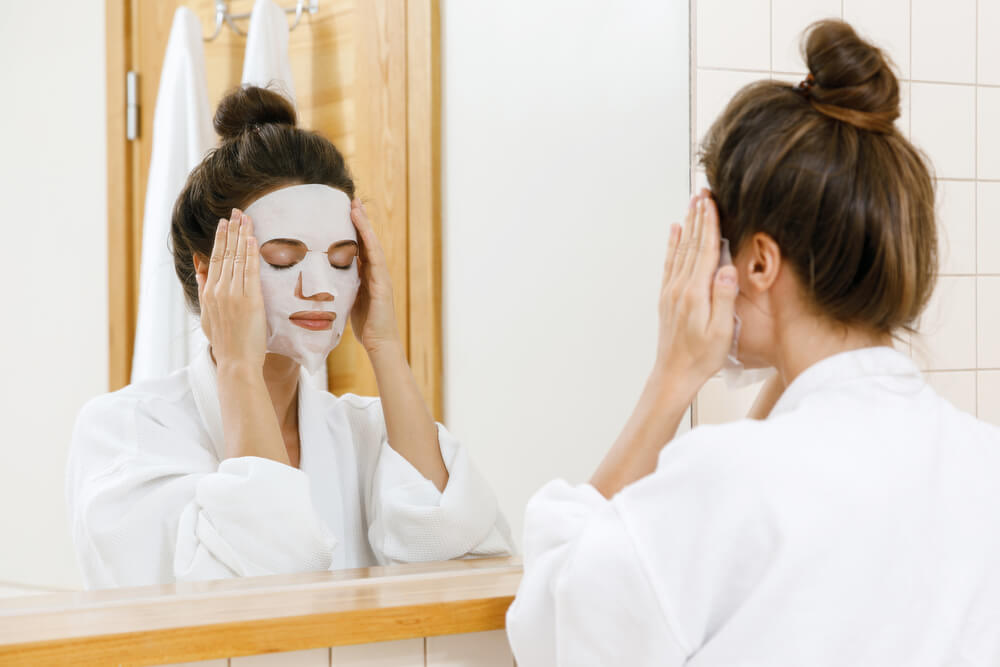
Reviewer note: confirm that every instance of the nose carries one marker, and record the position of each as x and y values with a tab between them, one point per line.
318	296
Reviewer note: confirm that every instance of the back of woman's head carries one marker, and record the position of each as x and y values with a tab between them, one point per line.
822	169
261	150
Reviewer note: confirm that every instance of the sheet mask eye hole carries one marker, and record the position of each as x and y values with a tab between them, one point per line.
342	254
283	253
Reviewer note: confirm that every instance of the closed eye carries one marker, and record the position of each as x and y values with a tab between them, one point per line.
283	253
342	254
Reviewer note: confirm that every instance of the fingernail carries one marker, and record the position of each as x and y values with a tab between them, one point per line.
727	278
222	223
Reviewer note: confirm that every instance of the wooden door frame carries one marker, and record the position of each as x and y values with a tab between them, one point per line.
408	31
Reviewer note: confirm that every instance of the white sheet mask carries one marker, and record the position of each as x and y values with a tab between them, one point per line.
734	373
319	217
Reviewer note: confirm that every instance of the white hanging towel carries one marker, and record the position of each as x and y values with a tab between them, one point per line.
167	335
266	64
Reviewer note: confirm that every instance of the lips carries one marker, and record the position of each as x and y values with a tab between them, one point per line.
313	320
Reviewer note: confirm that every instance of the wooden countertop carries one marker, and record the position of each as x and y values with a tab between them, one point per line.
158	625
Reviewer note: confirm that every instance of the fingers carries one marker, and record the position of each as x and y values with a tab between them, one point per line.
371	249
232	238
724	290
218	250
708	252
672	242
251	282
240	259
691	247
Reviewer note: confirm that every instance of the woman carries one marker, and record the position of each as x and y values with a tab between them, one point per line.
236	465
856	521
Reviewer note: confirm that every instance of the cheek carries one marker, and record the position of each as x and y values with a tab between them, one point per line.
277	286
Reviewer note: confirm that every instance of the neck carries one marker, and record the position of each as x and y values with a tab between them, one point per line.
281	375
807	340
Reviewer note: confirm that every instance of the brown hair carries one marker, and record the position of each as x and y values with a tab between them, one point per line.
822	169
261	151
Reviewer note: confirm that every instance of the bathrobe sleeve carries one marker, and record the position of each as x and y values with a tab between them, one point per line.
149	504
409	519
646	577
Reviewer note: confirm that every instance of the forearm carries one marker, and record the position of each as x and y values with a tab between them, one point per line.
409	425
653	424
248	418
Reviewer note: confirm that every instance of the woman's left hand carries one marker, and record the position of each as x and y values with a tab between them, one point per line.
697	299
373	317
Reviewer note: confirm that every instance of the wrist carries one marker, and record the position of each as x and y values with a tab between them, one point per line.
240	370
666	392
386	351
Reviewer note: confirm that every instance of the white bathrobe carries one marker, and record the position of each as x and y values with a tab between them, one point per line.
265	59
858	525
167	335
152	498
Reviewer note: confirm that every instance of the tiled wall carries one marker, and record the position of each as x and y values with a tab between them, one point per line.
477	649
948	58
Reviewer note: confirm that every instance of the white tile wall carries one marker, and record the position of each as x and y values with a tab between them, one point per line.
957	226
943	123
944	40
988	389
948	57
734	34
989	45
988	228
317	657
946	340
481	649
989	132
988	319
402	653
788	18
476	649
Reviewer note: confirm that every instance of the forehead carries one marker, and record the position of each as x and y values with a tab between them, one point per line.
315	214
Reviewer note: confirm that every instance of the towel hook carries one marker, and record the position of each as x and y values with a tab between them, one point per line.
222	16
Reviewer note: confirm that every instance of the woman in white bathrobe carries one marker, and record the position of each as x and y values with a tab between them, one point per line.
855	518
237	465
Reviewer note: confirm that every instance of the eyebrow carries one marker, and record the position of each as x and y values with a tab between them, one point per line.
287	241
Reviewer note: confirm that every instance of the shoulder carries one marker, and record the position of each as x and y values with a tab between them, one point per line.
119	420
723	450
149	396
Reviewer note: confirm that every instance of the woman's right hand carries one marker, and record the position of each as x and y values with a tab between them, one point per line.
697	300
232	309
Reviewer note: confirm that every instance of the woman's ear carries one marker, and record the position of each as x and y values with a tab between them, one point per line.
763	262
200	265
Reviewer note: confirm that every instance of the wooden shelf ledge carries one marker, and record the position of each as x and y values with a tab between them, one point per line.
159	625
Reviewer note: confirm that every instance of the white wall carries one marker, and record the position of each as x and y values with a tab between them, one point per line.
566	153
53	270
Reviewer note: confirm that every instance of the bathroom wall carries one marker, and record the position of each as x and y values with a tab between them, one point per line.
948	59
53	272
565	158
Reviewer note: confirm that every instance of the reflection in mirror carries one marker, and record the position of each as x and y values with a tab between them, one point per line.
295	425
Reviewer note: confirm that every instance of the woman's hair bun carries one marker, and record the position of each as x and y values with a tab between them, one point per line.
851	79
248	107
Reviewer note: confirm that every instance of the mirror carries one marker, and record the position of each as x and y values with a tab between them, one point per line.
565	150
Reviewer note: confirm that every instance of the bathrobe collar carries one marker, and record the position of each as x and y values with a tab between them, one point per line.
203	377
847	366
